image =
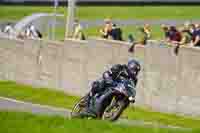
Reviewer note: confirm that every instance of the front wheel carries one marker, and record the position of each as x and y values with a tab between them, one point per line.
114	110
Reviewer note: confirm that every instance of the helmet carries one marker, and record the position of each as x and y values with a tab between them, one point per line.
133	68
116	69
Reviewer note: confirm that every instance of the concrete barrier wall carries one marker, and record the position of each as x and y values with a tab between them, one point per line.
161	77
172	81
189	81
168	82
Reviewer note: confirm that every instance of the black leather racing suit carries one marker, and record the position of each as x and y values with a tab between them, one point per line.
113	75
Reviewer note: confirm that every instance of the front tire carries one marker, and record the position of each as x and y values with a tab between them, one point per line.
117	108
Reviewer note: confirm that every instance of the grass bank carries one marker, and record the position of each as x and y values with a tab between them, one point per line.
101	12
36	95
59	99
13	122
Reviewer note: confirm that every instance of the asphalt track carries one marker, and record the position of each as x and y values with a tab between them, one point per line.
8	104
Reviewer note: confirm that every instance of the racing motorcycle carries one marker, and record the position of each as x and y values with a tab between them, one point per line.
109	105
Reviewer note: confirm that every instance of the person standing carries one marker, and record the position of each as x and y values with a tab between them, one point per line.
142	39
9	30
116	33
186	34
106	30
32	32
165	29
196	36
78	31
147	30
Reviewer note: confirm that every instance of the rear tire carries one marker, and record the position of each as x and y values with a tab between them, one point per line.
78	108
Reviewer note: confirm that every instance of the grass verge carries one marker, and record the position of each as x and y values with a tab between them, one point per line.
101	12
40	95
15	122
60	99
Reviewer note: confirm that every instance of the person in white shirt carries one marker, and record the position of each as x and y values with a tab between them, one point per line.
9	30
32	32
78	31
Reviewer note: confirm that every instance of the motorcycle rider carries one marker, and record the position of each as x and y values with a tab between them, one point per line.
113	76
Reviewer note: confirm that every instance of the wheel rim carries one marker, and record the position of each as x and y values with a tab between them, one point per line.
78	108
109	113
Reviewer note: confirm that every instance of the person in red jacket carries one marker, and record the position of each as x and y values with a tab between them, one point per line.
174	35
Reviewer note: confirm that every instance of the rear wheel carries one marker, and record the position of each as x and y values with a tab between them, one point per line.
79	107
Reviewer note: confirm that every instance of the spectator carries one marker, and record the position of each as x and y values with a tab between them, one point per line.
116	33
147	30
32	32
78	31
9	30
39	33
186	35
143	36
192	28
165	29
131	39
174	35
196	36
187	25
106	30
27	32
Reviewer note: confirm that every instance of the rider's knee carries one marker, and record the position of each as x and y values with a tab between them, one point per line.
95	87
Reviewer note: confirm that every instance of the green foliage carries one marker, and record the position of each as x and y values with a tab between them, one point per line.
146	114
101	12
13	122
36	95
18	12
59	99
138	12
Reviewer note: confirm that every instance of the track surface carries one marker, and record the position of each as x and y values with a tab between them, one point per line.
15	105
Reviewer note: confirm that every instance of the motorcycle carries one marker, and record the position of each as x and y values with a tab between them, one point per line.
109	105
